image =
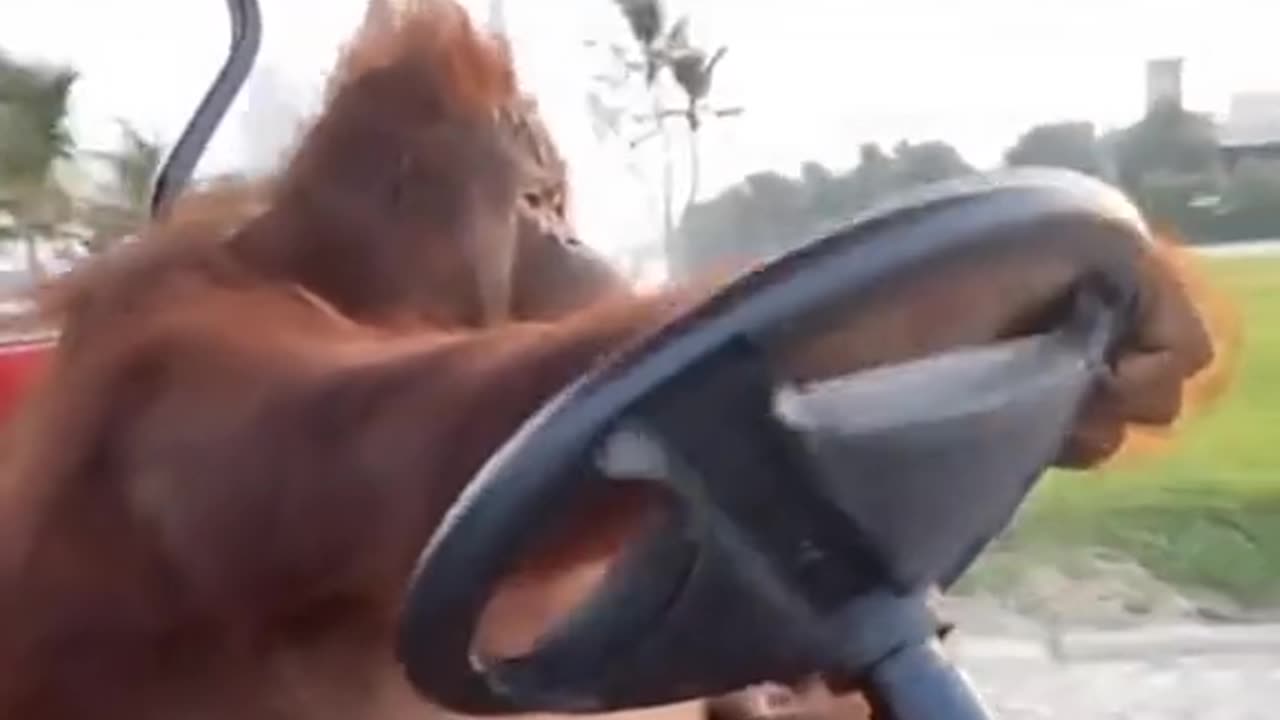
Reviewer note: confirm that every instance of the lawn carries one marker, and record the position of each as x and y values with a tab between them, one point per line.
1205	514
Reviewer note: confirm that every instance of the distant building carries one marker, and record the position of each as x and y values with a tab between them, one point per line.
1251	128
1164	82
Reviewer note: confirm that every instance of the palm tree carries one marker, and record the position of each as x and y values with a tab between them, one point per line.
34	141
646	19
125	206
135	167
692	68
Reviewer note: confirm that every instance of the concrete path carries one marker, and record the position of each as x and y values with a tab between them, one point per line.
1182	672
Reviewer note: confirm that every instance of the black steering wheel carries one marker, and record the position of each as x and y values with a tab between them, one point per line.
809	520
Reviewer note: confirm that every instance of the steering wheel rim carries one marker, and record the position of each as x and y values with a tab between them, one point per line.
533	474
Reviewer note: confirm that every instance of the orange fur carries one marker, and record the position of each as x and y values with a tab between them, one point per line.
257	412
471	72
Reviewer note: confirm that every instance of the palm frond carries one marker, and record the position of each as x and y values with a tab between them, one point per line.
35	102
646	19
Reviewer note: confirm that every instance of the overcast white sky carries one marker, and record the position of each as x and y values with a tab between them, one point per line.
816	77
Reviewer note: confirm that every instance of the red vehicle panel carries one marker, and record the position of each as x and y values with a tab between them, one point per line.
20	359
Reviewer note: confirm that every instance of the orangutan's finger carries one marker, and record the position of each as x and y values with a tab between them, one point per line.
1170	321
1147	388
805	701
1143	390
1096	437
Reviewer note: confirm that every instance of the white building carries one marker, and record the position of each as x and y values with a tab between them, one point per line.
1252	118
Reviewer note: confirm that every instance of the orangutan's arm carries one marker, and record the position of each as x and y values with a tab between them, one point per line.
273	480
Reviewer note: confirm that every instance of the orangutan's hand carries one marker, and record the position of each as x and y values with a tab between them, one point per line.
807	701
1170	344
976	302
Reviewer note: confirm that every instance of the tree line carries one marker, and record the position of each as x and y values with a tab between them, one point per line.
1169	162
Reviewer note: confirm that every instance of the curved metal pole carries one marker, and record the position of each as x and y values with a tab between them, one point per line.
246	38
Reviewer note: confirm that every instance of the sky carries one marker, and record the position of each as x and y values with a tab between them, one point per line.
815	78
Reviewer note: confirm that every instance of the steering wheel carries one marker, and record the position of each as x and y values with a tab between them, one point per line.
809	520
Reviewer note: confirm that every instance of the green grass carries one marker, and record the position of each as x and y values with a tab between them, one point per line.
1207	513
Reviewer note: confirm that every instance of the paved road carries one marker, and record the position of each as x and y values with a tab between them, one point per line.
1126	677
